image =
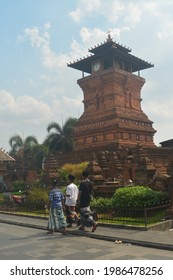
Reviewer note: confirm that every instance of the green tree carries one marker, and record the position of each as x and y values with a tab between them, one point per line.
25	155
16	142
60	138
38	153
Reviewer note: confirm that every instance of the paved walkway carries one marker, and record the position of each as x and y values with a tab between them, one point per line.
153	239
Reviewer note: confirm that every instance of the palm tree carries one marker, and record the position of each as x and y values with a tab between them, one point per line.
61	139
22	150
28	152
38	153
16	142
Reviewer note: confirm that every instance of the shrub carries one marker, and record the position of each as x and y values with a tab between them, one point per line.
37	198
101	202
137	196
19	185
75	169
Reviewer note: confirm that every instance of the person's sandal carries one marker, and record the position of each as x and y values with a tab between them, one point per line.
65	232
69	225
50	232
78	223
82	228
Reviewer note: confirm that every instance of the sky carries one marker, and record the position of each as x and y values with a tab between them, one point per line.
39	38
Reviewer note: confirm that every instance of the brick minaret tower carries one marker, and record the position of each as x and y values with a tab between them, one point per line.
112	99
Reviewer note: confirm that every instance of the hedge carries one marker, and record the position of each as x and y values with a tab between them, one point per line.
138	196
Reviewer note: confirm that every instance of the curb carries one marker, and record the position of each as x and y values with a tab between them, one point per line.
100	237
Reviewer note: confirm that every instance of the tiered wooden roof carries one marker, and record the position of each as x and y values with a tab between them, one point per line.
109	49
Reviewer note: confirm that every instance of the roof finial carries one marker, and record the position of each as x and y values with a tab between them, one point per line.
109	36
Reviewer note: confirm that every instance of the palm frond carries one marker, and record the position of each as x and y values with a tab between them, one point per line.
55	126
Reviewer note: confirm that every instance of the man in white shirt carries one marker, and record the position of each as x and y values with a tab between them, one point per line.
70	203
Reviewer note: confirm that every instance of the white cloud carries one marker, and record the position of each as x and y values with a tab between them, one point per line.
76	15
7	101
133	16
112	10
40	39
72	101
166	31
71	107
23	109
26	115
51	60
36	39
161	108
86	7
90	35
126	14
